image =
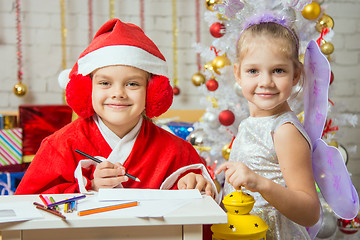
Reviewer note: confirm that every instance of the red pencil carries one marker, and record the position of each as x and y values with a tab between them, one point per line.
43	200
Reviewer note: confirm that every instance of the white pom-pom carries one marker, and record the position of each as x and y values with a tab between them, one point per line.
63	78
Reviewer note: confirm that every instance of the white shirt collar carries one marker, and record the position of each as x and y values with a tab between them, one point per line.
111	138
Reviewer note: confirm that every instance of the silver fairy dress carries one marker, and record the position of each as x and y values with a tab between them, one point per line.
254	147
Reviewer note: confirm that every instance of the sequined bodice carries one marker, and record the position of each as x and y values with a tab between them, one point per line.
254	147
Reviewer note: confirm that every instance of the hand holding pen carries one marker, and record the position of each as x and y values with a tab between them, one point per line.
107	174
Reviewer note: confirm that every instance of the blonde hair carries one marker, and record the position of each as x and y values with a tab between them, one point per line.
273	31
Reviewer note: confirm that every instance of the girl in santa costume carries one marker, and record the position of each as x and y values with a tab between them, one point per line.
116	85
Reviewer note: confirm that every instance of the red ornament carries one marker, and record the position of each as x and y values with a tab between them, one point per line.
217	29
226	117
331	77
349	226
212	84
176	91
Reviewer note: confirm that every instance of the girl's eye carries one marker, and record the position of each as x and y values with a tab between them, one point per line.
132	84
279	71
104	83
252	71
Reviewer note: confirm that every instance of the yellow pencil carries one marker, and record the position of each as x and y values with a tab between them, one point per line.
108	208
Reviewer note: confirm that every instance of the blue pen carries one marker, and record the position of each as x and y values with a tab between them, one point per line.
66	201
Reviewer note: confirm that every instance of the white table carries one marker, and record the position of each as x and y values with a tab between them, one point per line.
183	223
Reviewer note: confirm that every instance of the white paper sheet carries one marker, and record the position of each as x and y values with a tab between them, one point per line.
110	194
18	211
145	208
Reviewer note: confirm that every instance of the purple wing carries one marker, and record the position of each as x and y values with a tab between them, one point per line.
329	169
317	72
334	181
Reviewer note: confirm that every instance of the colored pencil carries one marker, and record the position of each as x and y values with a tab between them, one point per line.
52	211
108	208
99	161
52	200
66	201
43	200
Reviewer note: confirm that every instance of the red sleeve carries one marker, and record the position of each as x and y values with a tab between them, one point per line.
50	171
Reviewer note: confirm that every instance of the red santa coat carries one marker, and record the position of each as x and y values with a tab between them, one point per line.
155	155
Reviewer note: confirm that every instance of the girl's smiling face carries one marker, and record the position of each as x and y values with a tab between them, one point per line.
266	76
118	96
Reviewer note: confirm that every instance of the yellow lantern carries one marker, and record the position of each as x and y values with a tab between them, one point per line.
324	22
241	224
311	11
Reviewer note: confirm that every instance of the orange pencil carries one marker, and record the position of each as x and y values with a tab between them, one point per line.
108	208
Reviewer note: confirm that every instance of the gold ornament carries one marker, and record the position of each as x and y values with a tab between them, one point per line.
220	62
209	66
311	11
20	89
222	17
210	3
334	143
301	58
213	100
327	48
324	22
226	151
198	78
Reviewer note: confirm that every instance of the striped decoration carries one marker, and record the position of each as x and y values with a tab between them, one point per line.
10	146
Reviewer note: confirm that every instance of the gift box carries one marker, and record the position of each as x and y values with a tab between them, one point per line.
9	182
8	121
181	129
39	121
10	146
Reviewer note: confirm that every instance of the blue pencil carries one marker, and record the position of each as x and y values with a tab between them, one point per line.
66	201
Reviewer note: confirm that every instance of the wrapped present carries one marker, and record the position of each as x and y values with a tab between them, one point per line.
8	121
39	121
10	146
9	182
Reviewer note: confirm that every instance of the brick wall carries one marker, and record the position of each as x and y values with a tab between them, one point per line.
41	46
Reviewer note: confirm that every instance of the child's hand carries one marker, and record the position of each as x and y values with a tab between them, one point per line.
239	175
196	181
108	175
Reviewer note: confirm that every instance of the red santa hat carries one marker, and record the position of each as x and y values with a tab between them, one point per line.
118	43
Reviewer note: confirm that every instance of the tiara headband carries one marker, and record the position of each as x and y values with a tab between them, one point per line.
268	17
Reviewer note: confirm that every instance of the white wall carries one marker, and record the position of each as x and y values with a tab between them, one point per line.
42	59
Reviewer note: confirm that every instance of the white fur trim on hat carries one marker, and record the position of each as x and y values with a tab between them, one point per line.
121	55
63	78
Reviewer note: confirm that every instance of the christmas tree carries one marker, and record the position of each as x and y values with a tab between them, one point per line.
221	95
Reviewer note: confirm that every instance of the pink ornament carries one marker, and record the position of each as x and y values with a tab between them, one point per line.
226	117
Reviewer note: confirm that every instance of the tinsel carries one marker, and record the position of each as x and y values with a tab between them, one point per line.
142	16
19	41
90	14
63	33
111	9
174	44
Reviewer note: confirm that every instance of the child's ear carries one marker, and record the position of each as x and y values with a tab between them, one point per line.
297	75
237	73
